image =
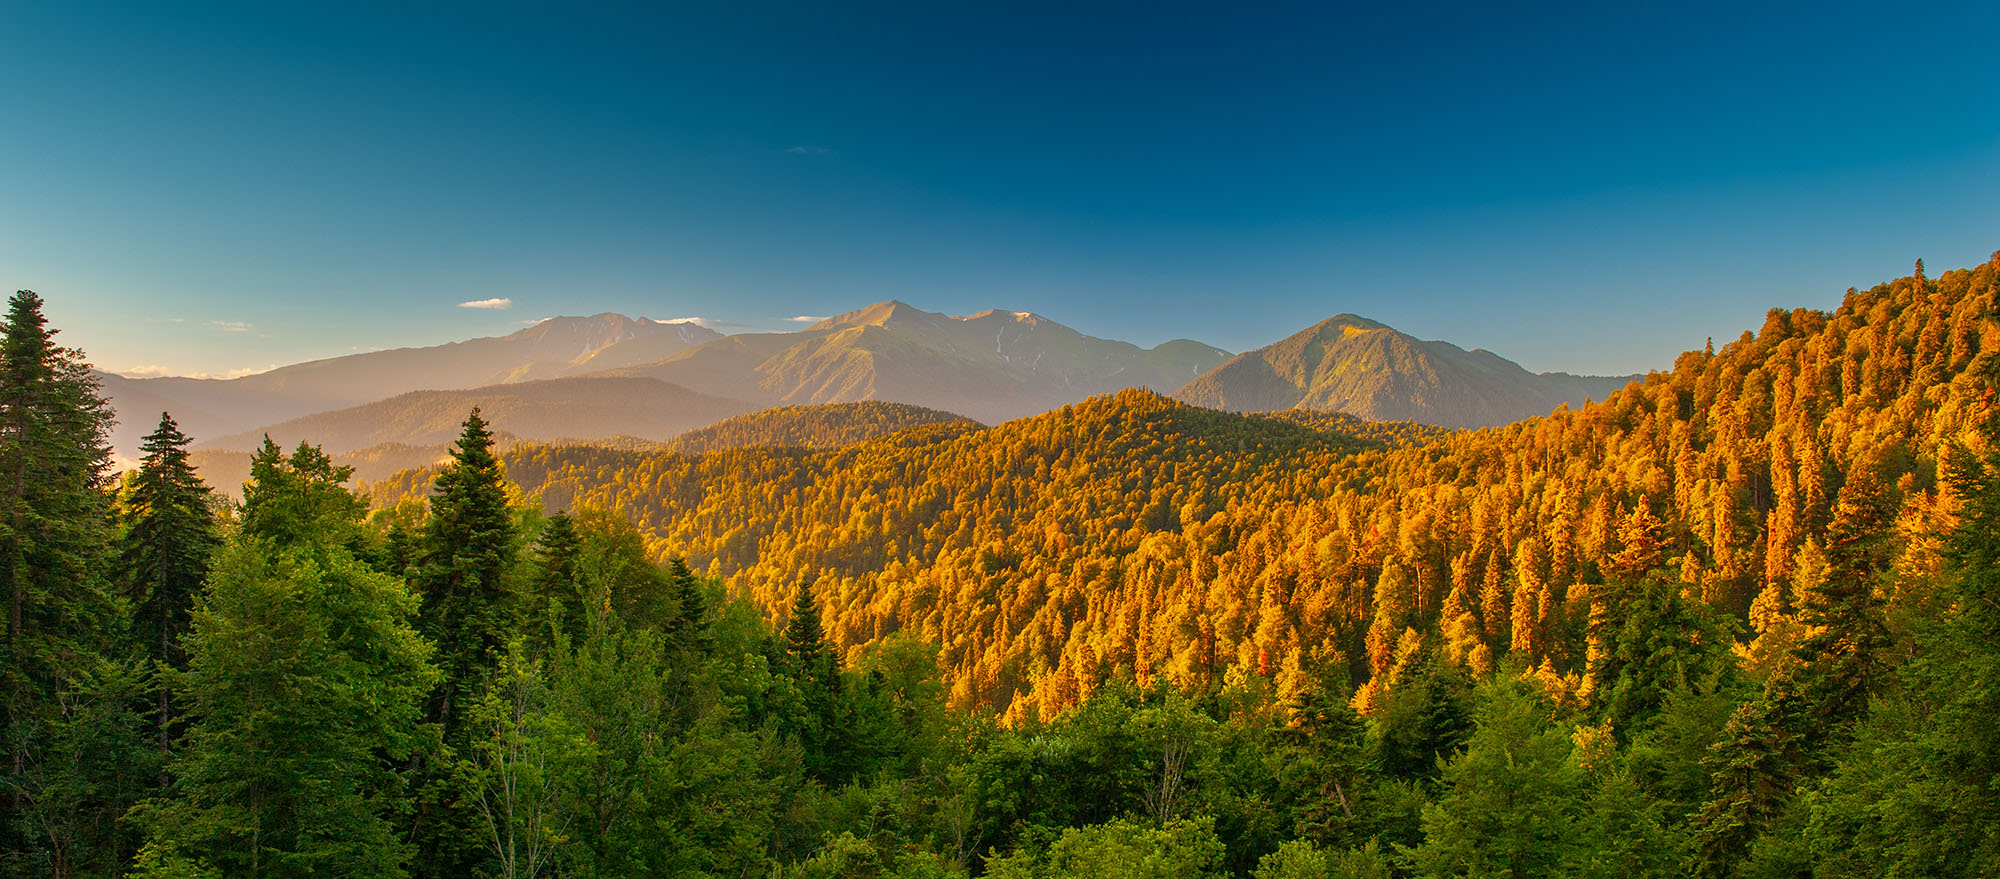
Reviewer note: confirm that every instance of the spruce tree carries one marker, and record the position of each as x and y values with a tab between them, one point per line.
556	604
466	556
170	533
54	544
817	671
805	640
468	549
688	628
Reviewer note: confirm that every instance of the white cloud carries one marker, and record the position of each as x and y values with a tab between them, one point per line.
154	370
495	304
805	319
230	326
720	326
539	320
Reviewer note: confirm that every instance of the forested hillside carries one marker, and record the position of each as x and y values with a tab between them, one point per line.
1133	533
824	426
1738	621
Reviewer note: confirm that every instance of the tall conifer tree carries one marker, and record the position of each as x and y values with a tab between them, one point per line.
54	542
170	534
468	549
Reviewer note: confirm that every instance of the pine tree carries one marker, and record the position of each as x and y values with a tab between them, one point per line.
468	550
170	534
826	732
688	629
805	641
54	544
466	556
556	602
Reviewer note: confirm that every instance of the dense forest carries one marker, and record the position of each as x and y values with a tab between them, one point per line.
1741	619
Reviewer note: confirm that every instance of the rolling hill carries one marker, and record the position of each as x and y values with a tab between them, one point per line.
1355	365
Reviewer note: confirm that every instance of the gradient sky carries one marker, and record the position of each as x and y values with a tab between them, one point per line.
203	188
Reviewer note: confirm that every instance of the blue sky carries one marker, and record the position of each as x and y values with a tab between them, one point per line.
202	188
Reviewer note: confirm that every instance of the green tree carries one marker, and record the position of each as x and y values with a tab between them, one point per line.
1509	803
468	551
170	535
1120	849
555	599
1914	793
303	693
62	615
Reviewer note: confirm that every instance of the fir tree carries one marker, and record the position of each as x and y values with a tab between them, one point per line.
688	628
466	555
54	542
556	604
170	533
468	549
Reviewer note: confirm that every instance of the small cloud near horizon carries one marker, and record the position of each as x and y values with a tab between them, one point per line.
717	325
154	370
230	326
805	319
497	303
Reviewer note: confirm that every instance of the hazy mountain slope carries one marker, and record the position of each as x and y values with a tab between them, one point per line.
1355	365
568	408
992	366
825	426
562	346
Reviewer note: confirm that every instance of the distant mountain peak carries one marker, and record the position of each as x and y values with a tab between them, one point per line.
1349	323
881	314
1349	363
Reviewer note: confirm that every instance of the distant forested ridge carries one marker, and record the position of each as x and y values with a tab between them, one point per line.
823	426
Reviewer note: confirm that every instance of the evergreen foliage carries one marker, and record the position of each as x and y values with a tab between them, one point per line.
170	534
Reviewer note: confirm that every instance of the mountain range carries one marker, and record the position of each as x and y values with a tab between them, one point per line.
604	376
993	366
211	408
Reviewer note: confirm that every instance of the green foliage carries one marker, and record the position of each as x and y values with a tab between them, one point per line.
555	600
303	695
61	615
1509	803
468	551
1120	849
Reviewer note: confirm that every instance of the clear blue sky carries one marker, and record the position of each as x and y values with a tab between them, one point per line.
1591	187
